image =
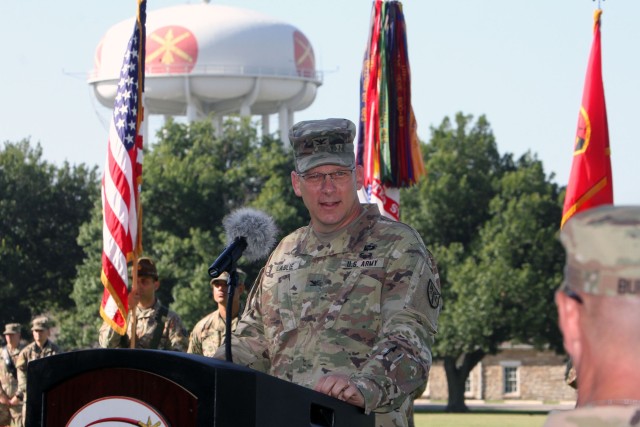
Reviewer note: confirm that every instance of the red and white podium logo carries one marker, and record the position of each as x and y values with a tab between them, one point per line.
117	412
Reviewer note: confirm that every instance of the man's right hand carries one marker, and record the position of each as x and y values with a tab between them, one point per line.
133	299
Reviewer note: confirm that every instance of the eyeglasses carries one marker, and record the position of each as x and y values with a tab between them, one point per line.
317	178
573	295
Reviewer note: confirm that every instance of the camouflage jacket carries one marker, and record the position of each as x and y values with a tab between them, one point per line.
8	382
29	353
174	334
208	334
364	303
595	416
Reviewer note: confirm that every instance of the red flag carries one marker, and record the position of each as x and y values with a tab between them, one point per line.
590	182
121	228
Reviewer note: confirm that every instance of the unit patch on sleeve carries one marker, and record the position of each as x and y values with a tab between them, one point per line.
433	294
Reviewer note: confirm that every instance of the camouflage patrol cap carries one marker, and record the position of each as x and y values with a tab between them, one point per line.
242	276
40	323
603	251
323	142
223	277
147	268
11	328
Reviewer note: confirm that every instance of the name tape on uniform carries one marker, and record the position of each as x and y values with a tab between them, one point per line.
363	263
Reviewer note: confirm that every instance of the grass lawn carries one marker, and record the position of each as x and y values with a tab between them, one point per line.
483	419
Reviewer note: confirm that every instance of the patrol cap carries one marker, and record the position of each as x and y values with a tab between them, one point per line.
147	268
323	142
223	277
11	328
603	251
40	323
242	277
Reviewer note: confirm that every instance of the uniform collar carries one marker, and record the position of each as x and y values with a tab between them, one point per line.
343	240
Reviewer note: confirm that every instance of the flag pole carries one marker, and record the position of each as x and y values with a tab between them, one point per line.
139	138
134	316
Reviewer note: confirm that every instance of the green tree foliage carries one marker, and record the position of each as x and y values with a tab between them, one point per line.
192	179
492	224
41	208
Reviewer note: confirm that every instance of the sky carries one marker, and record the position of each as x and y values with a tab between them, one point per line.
520	63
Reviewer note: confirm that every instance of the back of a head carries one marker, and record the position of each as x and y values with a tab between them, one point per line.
602	277
603	263
603	251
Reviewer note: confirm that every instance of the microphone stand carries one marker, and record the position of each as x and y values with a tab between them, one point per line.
232	282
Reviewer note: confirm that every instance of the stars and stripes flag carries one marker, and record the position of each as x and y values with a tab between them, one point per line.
388	147
590	182
121	229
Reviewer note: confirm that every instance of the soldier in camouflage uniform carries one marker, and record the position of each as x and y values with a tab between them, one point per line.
208	334
39	348
157	327
599	312
11	406
349	305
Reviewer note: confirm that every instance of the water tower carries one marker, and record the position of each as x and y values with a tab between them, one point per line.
206	60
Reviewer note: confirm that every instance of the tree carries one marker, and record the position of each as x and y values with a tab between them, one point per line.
492	224
42	207
191	180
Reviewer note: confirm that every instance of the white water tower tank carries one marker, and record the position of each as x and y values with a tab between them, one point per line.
206	60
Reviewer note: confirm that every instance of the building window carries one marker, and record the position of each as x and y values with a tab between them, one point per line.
467	385
510	379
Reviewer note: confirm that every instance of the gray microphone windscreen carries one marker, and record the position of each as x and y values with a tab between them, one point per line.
256	227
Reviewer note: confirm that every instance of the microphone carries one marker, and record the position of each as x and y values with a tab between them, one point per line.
250	232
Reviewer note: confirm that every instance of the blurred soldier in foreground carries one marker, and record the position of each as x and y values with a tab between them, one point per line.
209	332
11	408
599	313
39	348
157	327
347	306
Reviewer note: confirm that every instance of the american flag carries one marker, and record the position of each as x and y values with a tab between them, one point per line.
121	228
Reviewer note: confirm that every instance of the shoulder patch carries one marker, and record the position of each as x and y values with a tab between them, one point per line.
433	295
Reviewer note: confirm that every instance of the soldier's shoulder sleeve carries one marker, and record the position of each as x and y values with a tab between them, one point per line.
23	358
56	349
410	304
177	332
107	337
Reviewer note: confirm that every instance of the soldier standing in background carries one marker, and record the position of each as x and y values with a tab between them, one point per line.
157	327
347	306
11	412
39	348
209	333
599	312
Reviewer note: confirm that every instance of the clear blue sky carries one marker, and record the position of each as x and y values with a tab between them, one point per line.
521	63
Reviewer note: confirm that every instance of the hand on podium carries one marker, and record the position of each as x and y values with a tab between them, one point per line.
340	387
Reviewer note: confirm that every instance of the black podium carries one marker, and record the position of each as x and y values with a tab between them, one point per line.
121	387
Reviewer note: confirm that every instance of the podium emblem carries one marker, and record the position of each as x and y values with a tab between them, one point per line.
117	411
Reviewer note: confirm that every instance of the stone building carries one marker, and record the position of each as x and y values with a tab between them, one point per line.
517	372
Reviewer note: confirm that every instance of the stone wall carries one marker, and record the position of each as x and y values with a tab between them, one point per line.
540	377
